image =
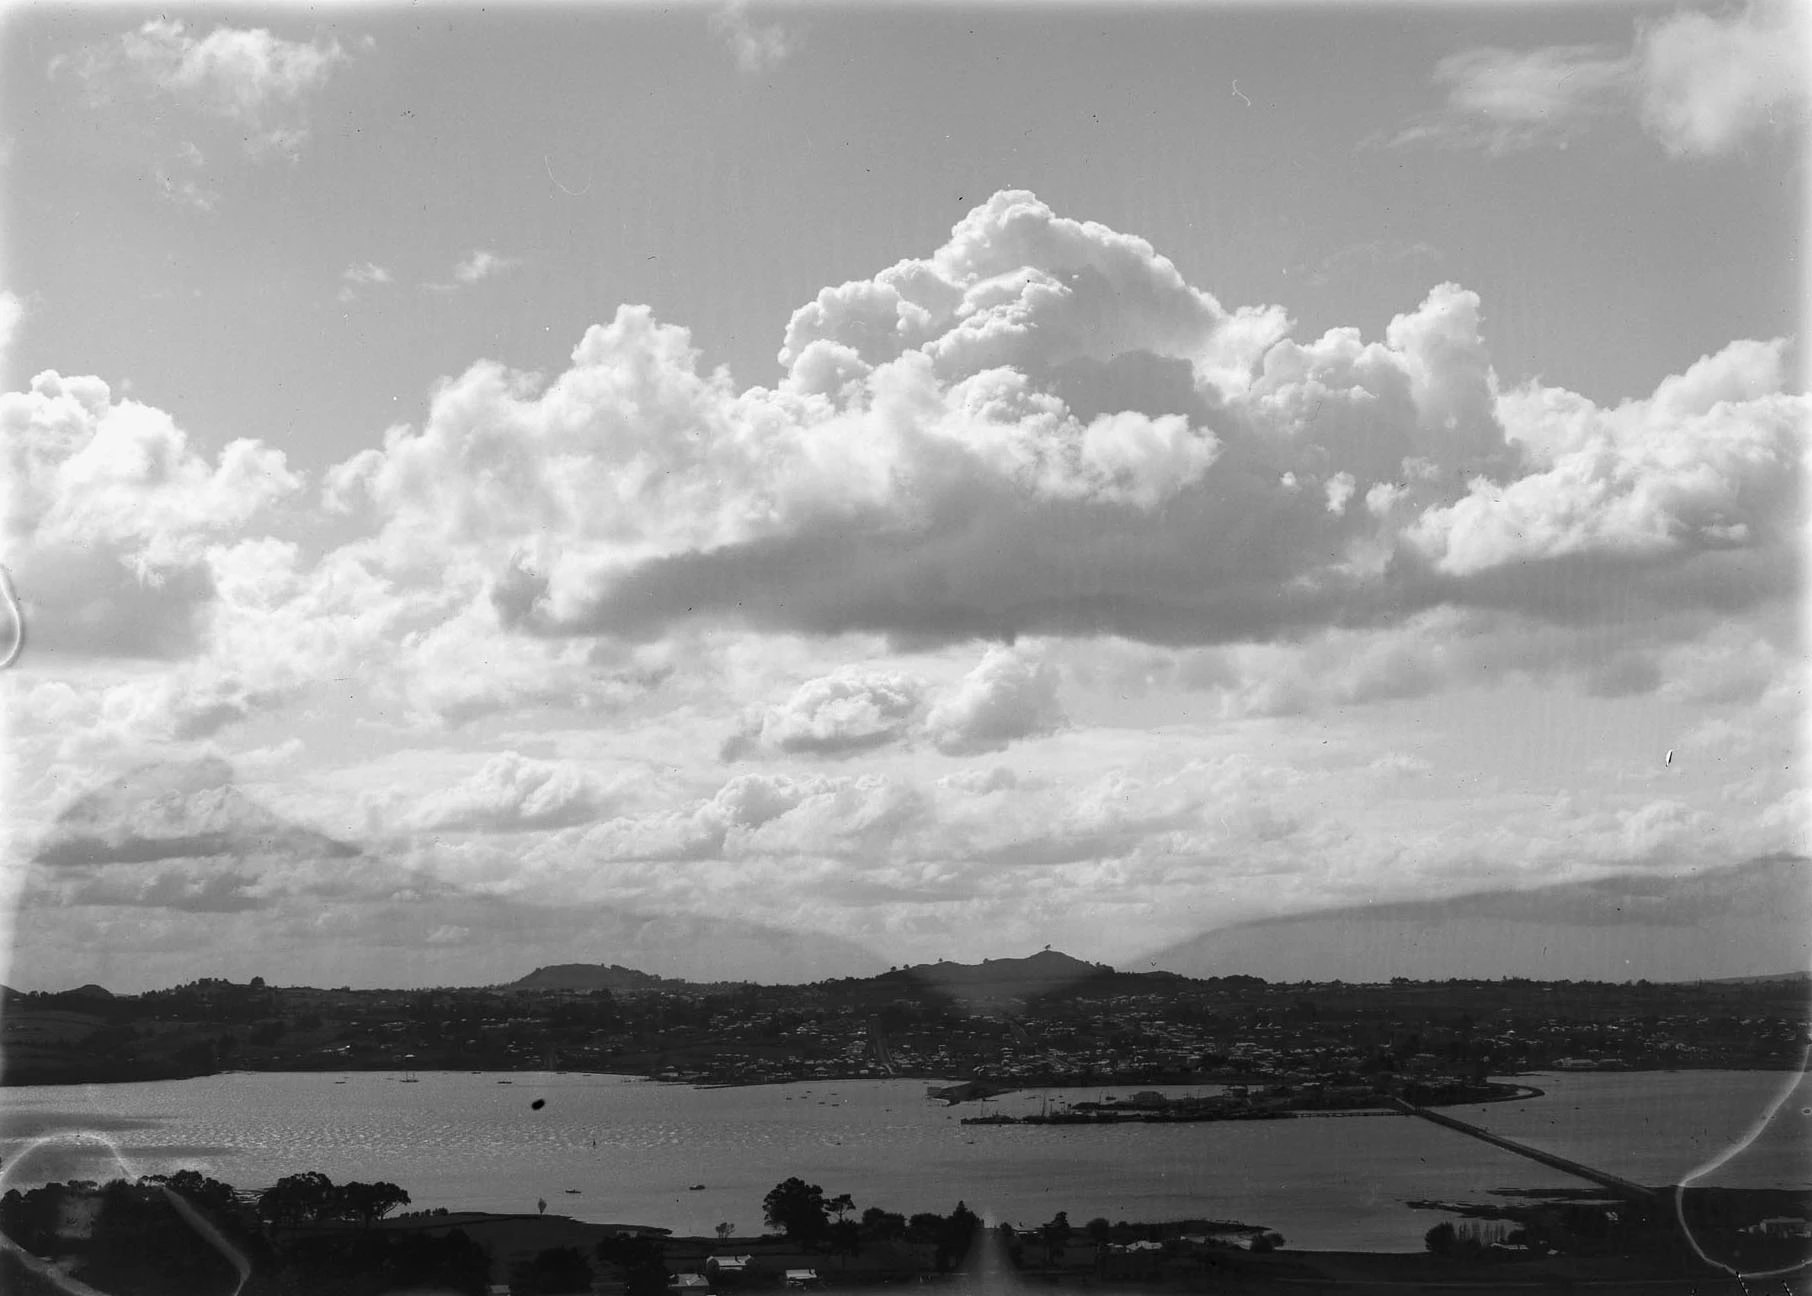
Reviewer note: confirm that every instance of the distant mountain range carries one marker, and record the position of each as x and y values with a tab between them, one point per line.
1725	923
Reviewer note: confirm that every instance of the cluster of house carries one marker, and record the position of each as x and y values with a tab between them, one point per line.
730	1270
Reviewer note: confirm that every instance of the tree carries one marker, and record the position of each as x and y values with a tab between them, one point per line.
797	1209
297	1199
725	1229
840	1205
370	1202
883	1224
955	1234
553	1272
845	1237
1099	1230
642	1261
1440	1239
209	1194
925	1226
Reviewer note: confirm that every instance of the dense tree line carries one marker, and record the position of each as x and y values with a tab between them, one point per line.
133	1238
803	1213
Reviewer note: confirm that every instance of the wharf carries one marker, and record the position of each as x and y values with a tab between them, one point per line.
1625	1188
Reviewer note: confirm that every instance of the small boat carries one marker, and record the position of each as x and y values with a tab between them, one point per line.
506	1082
575	1191
696	1188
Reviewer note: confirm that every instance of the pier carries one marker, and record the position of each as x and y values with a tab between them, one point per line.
1625	1188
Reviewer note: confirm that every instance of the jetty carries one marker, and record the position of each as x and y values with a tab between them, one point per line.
968	1091
1626	1188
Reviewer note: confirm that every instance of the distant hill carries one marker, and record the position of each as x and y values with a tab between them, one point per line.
1761	980
1041	975
589	976
1707	924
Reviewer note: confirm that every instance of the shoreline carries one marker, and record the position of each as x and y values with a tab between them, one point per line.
11	1080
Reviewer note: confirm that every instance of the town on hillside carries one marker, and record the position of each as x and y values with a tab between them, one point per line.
1048	1020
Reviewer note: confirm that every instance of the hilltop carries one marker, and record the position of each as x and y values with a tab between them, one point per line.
589	976
1044	975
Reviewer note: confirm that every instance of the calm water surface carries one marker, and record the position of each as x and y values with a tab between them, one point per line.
633	1147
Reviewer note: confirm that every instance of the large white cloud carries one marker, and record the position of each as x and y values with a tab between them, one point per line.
1042	429
1329	487
847	711
1006	697
1709	462
1710	82
110	515
1009	695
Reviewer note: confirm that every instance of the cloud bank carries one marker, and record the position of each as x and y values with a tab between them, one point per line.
999	492
1700	84
1042	430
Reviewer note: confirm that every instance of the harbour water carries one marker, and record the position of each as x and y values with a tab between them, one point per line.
632	1150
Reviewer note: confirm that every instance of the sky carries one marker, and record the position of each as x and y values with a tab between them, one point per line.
788	491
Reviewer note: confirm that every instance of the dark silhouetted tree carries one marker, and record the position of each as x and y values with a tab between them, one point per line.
298	1199
882	1225
555	1271
797	1209
642	1261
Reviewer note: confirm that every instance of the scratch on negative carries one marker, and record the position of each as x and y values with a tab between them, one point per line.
18	615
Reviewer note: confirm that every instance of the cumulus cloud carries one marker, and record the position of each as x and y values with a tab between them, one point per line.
981	463
1042	429
111	515
248	76
1708	463
848	711
1710	81
1701	84
1301	509
758	47
1006	697
513	793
